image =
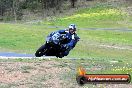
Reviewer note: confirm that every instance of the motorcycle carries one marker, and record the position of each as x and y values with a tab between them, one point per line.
54	46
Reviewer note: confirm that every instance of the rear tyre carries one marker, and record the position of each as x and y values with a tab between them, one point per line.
41	51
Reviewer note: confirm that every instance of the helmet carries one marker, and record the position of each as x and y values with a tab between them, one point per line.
73	27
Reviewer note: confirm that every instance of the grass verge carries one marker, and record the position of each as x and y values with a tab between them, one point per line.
98	16
28	38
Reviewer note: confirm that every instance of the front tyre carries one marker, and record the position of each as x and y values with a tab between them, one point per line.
41	51
60	55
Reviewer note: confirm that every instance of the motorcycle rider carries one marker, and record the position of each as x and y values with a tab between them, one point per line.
70	38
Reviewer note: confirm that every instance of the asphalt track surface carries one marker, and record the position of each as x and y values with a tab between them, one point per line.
13	55
113	29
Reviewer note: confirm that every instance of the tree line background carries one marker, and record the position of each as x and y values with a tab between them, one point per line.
18	9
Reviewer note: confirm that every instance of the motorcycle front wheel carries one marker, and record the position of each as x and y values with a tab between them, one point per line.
41	51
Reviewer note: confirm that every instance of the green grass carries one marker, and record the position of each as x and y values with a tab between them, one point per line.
98	16
28	38
22	37
117	37
90	42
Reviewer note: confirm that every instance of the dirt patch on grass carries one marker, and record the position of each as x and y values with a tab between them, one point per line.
31	74
47	74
